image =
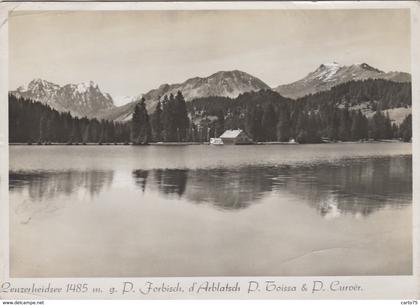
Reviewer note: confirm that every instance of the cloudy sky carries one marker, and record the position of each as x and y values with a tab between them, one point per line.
128	53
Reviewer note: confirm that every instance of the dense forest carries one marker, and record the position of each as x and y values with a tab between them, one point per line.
265	115
330	115
377	93
32	122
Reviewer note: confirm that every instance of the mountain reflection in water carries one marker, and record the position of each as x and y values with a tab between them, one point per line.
350	186
48	185
44	188
166	181
354	186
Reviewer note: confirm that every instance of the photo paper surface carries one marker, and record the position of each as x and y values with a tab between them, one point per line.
209	150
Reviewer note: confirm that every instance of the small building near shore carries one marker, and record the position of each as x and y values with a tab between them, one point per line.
216	141
235	137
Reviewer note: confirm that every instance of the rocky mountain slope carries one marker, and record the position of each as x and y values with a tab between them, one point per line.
222	83
332	74
84	99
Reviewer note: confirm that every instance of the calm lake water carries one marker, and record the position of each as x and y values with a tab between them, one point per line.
286	210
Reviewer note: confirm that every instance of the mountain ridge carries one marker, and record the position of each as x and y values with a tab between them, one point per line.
222	83
86	99
332	74
82	99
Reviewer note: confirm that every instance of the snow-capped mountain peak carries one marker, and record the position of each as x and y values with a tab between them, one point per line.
329	65
85	86
40	84
327	71
83	99
329	75
365	66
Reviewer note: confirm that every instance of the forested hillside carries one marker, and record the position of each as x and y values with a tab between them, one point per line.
348	112
374	93
32	122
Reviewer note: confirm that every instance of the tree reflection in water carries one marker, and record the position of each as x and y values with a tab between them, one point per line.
356	186
45	188
47	185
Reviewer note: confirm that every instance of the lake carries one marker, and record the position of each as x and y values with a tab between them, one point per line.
199	210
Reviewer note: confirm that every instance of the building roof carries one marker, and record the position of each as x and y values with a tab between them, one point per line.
231	133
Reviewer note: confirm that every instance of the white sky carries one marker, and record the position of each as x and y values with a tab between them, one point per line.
128	53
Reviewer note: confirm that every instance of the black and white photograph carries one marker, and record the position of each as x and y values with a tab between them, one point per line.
210	143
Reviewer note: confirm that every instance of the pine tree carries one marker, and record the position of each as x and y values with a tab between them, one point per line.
75	136
269	122
102	134
344	125
358	127
313	128
284	124
254	122
136	125
301	128
168	119
157	127
377	125
387	127
78	133
140	125
406	129
181	117
86	133
49	133
42	129
220	124
365	128
333	125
